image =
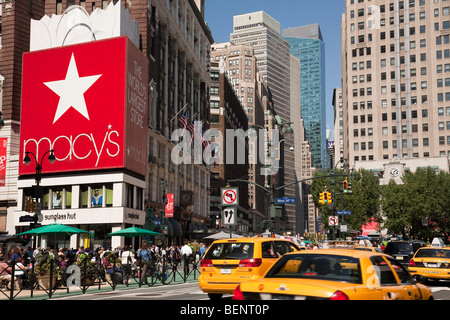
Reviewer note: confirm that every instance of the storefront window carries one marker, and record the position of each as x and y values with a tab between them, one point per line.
84	192
57	198
97	195
109	194
129	195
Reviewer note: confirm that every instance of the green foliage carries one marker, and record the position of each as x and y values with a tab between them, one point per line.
364	202
45	262
418	207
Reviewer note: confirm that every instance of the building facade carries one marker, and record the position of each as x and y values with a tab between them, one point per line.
227	113
174	38
263	33
15	20
306	43
338	125
395	69
239	62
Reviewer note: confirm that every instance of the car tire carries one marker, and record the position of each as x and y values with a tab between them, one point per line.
215	296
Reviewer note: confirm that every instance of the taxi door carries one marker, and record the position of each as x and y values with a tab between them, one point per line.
409	291
388	286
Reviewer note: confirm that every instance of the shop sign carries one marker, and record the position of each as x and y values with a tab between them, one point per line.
89	103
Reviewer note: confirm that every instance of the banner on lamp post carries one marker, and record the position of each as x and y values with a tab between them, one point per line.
168	212
3	146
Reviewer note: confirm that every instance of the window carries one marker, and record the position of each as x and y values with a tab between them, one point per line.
383	272
96	195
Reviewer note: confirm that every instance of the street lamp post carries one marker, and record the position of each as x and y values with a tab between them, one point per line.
164	184
27	161
346	167
37	190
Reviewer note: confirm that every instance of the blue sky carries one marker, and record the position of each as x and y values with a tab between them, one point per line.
289	13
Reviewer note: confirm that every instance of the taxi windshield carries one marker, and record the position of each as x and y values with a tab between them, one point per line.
230	251
317	266
433	253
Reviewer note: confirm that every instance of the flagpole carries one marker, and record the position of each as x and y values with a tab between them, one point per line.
182	109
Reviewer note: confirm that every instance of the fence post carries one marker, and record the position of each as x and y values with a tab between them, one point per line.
51	278
12	282
114	272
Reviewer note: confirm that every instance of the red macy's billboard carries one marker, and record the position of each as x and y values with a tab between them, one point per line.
88	102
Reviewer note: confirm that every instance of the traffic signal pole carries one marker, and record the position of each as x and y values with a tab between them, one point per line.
272	189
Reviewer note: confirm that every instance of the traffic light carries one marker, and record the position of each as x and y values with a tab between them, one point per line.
322	198
345	186
349	188
33	206
325	197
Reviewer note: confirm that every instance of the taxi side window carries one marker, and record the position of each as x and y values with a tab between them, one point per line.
281	248
267	250
383	271
401	272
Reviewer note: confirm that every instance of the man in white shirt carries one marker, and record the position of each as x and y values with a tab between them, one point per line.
186	252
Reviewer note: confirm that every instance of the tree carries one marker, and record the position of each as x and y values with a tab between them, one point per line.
363	203
418	207
396	216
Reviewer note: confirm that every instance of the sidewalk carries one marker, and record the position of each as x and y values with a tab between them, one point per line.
76	291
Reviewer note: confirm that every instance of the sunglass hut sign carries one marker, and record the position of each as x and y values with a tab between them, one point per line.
89	103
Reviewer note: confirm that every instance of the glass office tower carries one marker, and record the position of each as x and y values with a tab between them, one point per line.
306	43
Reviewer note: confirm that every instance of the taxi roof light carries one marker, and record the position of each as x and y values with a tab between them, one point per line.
437	243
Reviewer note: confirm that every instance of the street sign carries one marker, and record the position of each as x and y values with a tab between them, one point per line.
343	228
284	200
230	196
26	218
333	221
344	212
229	216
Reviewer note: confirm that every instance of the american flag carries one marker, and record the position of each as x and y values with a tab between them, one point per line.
190	128
184	119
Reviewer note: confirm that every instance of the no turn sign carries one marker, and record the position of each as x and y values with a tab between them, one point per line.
333	221
230	196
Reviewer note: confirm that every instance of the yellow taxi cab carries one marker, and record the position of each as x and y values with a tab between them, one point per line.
229	262
431	262
371	249
334	274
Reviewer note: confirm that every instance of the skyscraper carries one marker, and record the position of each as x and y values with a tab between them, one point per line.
395	73
306	43
261	31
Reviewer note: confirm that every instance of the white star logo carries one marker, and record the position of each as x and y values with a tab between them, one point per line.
71	91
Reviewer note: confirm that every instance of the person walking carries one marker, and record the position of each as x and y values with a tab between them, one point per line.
145	256
186	252
202	250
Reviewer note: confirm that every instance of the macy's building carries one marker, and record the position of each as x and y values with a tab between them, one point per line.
88	102
93	114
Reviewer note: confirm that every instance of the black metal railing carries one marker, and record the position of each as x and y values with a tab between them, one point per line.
48	278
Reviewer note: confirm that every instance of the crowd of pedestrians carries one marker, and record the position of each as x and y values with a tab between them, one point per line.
121	258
